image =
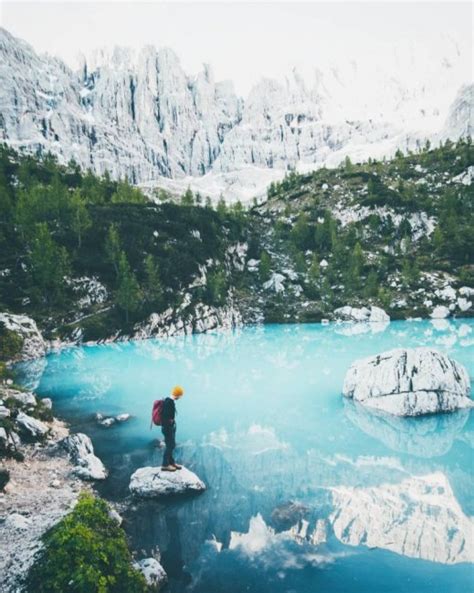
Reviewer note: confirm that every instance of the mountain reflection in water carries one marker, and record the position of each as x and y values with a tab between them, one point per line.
306	492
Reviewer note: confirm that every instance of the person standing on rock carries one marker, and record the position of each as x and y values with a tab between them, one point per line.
168	428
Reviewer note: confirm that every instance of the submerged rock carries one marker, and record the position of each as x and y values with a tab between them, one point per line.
153	572
108	421
153	481
87	465
31	371
33	344
409	382
285	515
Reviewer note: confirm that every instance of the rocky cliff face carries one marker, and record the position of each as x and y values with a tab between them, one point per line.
460	121
139	115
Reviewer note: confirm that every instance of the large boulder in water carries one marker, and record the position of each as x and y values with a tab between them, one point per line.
148	482
409	382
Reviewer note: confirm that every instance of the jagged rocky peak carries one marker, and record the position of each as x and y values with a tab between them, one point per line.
460	120
138	114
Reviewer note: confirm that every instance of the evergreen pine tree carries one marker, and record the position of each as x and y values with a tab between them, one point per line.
372	284
222	206
80	219
187	199
314	272
128	295
264	267
216	287
112	247
238	210
127	194
153	288
301	232
356	262
49	264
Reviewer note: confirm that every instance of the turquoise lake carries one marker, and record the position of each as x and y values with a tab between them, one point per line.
307	492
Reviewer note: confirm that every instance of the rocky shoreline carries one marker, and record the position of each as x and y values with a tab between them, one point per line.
191	319
41	489
44	470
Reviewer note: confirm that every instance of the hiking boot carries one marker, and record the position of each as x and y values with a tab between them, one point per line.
168	468
177	466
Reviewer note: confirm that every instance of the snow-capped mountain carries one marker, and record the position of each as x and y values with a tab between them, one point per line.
137	114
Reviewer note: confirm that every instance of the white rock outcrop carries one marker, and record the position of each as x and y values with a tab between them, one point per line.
361	314
34	345
464	304
31	426
440	312
153	572
188	320
275	283
25	398
148	482
90	290
87	465
409	382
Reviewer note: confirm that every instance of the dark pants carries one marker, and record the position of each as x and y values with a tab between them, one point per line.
169	432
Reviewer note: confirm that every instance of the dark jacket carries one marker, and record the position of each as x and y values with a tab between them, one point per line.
169	412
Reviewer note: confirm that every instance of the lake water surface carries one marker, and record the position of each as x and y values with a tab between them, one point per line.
306	492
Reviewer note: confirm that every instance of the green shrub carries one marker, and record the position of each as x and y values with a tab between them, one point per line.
10	343
97	327
86	552
5	372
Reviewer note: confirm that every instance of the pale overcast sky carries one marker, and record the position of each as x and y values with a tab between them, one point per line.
242	41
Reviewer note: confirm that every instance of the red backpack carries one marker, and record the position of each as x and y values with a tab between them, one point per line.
156	413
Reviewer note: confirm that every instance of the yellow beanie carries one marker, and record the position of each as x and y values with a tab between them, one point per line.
177	391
